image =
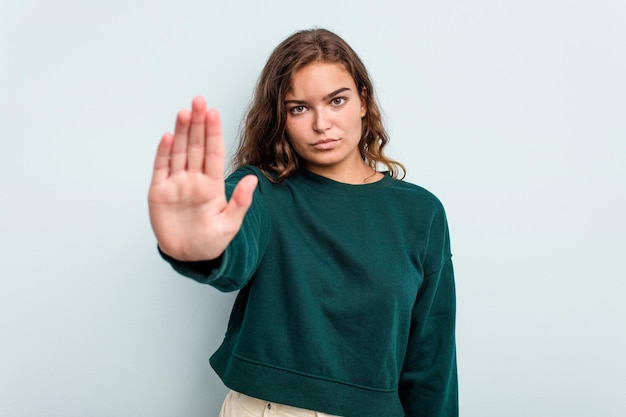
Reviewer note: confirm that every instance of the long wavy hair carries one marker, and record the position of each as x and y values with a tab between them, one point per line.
263	139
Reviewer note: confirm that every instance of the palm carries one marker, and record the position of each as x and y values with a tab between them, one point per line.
190	215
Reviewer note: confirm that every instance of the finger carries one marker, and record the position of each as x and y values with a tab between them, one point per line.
240	201
214	147
181	137
162	159
195	148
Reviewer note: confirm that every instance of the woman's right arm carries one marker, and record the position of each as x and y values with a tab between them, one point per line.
233	269
189	212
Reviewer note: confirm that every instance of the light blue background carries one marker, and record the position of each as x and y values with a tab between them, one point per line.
512	112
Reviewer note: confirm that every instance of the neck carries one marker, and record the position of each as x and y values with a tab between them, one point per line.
361	174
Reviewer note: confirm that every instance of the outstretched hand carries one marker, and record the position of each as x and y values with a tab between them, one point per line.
190	216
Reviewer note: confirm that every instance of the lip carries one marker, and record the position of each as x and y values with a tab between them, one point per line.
325	143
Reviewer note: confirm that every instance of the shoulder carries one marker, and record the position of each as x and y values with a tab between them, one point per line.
266	185
414	194
241	172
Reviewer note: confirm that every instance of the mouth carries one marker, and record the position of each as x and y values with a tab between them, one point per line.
325	143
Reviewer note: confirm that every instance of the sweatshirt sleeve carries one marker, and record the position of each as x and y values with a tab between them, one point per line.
428	382
233	270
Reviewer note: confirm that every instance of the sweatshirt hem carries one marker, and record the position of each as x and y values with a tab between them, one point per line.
287	387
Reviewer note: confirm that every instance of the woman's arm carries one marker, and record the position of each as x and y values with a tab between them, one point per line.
190	215
428	383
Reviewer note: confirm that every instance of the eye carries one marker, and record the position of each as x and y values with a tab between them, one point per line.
297	109
338	101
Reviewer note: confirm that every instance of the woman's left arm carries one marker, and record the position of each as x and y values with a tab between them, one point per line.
428	383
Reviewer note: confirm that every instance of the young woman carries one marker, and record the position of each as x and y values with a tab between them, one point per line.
346	300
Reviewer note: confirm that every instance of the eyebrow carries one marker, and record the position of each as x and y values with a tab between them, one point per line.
326	97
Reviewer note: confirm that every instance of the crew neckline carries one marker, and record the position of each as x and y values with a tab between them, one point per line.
326	184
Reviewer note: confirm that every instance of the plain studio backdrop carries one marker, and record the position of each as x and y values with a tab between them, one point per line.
512	112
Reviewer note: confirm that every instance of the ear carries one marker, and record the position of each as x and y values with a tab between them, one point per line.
363	102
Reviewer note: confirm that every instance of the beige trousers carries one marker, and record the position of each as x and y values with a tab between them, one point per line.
240	405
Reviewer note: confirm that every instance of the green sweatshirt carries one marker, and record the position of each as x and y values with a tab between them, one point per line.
346	300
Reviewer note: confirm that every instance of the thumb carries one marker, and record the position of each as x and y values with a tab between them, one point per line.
241	199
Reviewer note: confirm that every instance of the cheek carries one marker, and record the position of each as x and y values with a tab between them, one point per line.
294	129
292	138
359	122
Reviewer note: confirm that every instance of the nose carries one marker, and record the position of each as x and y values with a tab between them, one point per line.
321	122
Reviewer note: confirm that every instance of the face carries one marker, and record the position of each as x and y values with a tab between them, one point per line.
324	112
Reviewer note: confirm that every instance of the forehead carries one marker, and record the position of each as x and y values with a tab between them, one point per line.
320	77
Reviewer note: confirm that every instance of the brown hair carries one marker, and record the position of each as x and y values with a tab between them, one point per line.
263	140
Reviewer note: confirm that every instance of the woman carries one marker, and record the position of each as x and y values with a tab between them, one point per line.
346	290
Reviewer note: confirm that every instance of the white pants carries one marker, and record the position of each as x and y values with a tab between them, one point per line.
240	405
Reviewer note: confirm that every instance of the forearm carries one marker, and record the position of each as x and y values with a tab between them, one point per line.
236	265
429	384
